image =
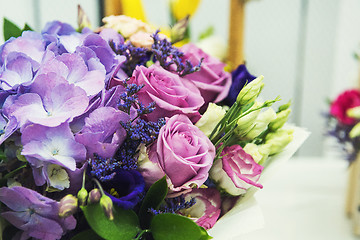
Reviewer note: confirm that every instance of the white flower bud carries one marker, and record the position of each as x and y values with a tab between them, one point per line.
259	152
279	140
210	118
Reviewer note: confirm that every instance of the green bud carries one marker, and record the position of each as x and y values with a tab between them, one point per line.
68	206
82	19
279	140
246	123
353	112
284	106
82	196
94	196
281	119
178	31
107	205
355	131
261	123
250	91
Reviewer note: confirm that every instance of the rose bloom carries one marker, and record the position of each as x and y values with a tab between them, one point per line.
171	94
127	26
345	101
182	152
236	171
213	82
206	209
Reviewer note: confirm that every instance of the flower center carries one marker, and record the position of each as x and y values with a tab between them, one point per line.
114	193
55	152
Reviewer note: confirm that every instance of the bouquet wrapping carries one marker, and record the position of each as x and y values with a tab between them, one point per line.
115	133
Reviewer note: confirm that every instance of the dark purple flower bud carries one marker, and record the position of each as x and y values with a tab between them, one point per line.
68	206
240	77
107	204
82	196
94	196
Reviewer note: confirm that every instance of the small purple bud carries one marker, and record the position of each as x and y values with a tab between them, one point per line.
68	206
82	196
94	196
107	205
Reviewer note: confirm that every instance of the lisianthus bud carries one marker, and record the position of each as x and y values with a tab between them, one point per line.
82	19
261	123
68	206
107	205
279	140
247	122
82	196
353	112
94	196
250	91
355	131
210	118
281	119
259	152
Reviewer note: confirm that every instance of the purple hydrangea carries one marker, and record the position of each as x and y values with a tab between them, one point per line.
43	146
34	214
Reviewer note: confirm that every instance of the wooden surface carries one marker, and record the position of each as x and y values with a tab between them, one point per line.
112	7
236	32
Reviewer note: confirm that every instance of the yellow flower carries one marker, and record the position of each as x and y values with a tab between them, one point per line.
182	8
134	9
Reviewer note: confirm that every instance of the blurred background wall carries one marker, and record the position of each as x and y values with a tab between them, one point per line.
304	48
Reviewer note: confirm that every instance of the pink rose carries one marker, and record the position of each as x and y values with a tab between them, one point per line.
182	152
171	94
343	102
236	171
213	82
206	210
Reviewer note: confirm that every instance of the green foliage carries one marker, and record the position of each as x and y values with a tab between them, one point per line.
86	235
124	226
153	199
10	29
170	226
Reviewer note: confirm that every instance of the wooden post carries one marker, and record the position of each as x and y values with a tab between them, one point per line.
113	7
236	32
349	204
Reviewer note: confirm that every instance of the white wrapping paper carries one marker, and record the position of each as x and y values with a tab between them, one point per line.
246	216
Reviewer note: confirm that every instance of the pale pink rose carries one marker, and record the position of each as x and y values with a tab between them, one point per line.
236	171
206	210
171	94
213	82
142	39
182	152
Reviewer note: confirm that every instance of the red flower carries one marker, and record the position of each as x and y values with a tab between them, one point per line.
347	100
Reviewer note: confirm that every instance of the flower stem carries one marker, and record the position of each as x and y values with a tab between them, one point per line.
10	174
142	233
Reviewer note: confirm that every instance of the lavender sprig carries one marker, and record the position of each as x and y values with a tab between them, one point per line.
167	55
174	205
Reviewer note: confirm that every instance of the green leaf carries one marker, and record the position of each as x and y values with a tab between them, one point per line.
170	226
11	29
153	199
26	28
124	226
86	235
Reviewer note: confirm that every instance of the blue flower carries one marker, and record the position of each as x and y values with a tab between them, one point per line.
126	188
240	77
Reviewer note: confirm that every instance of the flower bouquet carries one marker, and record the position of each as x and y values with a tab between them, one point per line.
118	134
343	122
